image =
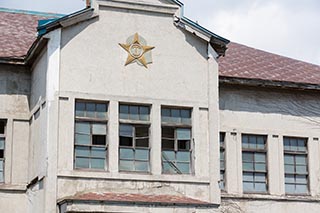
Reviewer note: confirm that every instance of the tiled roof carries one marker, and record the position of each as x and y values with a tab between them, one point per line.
17	33
246	62
138	198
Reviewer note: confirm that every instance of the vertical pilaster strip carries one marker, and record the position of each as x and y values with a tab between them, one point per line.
313	166
155	140
113	137
274	176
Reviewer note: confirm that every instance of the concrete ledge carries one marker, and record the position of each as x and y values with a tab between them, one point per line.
8	188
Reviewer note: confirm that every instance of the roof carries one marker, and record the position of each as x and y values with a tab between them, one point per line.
137	199
250	63
18	30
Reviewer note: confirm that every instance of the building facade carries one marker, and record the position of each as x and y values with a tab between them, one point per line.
122	107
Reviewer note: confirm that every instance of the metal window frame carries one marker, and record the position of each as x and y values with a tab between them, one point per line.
91	120
135	124
222	171
256	150
4	149
175	126
295	174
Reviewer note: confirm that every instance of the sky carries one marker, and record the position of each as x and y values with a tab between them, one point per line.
285	27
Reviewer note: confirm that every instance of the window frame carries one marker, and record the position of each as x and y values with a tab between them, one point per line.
3	159
91	121
135	123
294	154
175	126
222	135
253	151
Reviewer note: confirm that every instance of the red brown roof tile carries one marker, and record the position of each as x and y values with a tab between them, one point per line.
17	33
246	62
138	198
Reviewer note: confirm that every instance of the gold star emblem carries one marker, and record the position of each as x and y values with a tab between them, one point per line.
136	51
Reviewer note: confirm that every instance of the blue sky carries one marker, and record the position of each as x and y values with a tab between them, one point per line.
285	27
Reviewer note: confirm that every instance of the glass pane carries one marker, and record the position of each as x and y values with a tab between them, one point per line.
301	145
288	159
80	108
126	153
183	156
101	110
1	153
82	151
248	187
252	142
259	177
290	188
184	168
142	166
261	167
301	169
183	134
222	165
168	132
248	176
175	115
142	131
99	140
185	113
144	113
124	112
97	163
99	129
126	165
91	108
247	166
260	157
289	169
142	154
260	187
168	155
247	157
165	115
142	142
1	143
260	142
222	155
286	144
134	112
301	189
82	162
168	168
98	152
82	139
126	141
289	179
167	144
301	160
245	141
83	128
294	144
1	177
183	145
302	179
1	165
221	139
126	130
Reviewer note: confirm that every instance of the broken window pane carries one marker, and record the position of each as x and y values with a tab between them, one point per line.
167	144
142	131
142	142
98	140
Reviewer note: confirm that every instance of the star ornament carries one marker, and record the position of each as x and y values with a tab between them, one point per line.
137	50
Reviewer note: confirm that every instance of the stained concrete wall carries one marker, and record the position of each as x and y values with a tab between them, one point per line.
92	67
274	113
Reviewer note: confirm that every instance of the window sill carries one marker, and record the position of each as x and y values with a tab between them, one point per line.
262	197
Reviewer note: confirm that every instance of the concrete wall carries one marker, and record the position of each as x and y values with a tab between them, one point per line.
92	67
274	113
14	108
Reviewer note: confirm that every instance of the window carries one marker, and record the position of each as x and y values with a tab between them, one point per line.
222	160
134	150
90	135
176	141
254	163
2	145
295	165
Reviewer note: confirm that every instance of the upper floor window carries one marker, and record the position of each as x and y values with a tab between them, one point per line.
295	165
254	154
134	149
90	143
176	141
222	160
2	146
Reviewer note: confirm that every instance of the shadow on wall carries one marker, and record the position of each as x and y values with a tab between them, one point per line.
14	80
263	100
